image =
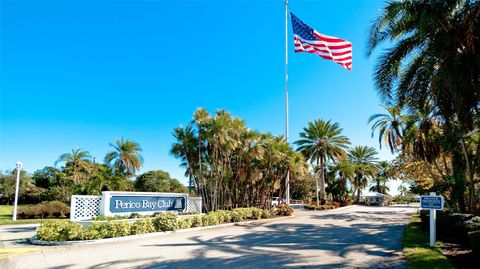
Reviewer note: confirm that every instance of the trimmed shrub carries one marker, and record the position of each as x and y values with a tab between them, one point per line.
53	209
239	214
96	230
60	230
166	222
211	219
256	213
284	210
225	216
451	227
320	207
197	221
185	223
119	228
266	214
142	227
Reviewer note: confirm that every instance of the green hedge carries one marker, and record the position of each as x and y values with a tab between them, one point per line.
53	209
63	230
452	227
320	207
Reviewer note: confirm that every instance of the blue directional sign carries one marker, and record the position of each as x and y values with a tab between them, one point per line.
431	202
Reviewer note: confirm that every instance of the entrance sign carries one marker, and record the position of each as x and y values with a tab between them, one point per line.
432	203
146	203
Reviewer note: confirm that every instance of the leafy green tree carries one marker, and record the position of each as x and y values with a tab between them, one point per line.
125	158
364	161
77	164
158	181
8	181
46	177
319	142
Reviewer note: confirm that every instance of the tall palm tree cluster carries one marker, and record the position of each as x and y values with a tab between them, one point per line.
428	81
230	165
335	163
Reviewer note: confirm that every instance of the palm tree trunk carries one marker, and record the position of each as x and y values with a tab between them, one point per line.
469	175
322	179
357	199
316	190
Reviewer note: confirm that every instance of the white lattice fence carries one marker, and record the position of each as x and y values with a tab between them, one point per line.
85	207
194	204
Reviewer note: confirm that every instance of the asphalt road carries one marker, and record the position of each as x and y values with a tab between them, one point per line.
352	237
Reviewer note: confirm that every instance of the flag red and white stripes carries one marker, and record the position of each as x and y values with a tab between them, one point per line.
306	39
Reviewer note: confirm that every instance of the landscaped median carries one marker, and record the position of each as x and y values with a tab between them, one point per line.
417	251
64	230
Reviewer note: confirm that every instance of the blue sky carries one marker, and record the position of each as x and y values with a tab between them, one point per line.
83	73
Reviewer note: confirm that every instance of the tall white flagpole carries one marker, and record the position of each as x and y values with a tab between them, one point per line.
287	179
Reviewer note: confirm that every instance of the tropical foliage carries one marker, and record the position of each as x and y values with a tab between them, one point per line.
431	75
320	142
231	165
363	159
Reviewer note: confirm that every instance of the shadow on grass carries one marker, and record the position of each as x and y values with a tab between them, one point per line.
417	251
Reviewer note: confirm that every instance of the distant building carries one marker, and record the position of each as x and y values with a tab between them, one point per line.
375	198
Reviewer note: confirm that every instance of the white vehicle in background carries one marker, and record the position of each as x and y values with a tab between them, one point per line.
275	201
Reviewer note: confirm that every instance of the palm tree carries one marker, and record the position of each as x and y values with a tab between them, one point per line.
346	172
364	160
390	127
125	158
185	148
434	57
322	141
77	163
384	173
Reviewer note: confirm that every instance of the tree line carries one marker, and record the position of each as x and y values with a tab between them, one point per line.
230	165
79	173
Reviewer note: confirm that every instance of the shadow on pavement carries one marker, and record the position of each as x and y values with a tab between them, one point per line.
273	248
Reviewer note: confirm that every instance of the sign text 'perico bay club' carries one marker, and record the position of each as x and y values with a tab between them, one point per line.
125	203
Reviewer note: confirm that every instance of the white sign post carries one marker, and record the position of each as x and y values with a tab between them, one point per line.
433	203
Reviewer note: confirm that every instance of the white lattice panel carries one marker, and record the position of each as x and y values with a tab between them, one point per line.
194	204
85	207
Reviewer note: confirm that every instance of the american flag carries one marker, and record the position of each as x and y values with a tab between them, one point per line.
307	39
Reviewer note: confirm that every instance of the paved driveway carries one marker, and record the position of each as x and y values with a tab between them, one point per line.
352	237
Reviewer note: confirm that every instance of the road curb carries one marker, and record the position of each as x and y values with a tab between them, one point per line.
35	241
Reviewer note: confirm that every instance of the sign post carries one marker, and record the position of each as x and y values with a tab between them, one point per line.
433	203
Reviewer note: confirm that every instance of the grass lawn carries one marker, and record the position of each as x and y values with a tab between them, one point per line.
6	212
417	251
